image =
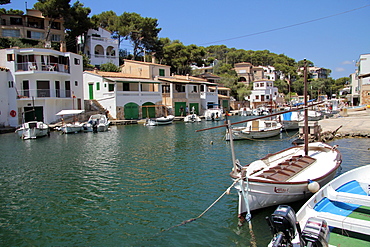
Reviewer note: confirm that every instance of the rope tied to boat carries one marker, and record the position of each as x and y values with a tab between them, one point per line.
227	191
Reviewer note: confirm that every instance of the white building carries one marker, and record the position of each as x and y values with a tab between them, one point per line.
100	47
41	82
8	102
263	93
123	95
363	74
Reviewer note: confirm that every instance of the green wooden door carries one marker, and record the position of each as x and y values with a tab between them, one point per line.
91	91
178	108
196	108
225	105
148	110
34	114
131	111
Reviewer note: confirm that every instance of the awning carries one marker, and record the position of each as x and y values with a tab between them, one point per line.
69	112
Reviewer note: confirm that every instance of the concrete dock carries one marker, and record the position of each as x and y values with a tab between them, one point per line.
356	123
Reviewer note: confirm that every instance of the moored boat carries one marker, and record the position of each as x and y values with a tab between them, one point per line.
72	127
33	130
192	118
98	123
213	114
337	215
284	176
160	121
257	129
291	120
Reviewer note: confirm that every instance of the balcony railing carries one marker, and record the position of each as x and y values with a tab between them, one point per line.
31	66
44	93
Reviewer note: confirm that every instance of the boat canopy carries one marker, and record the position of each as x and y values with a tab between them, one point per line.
69	112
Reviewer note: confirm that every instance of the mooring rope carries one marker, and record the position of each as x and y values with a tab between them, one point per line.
227	191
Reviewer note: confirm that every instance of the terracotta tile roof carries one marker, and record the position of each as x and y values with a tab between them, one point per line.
147	63
115	74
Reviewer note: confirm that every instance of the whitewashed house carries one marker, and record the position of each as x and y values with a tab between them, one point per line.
100	47
363	74
8	97
123	95
43	82
186	92
263	93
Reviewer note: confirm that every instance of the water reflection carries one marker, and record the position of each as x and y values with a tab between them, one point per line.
123	187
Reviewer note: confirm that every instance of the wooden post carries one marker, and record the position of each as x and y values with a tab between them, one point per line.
305	110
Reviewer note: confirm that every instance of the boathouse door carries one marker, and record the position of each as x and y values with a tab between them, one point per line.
131	111
148	110
33	115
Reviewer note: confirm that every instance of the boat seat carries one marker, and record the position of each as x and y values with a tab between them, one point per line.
287	169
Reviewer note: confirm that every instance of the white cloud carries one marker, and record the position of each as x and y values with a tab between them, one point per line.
339	69
347	62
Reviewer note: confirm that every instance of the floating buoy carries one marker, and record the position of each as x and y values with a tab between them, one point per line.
313	186
211	143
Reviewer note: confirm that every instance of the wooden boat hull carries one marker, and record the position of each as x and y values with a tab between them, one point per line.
284	176
238	134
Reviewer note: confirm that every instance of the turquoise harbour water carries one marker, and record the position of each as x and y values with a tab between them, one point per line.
132	185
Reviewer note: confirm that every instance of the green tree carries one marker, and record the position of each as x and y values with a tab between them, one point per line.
77	23
2	2
109	67
11	11
53	9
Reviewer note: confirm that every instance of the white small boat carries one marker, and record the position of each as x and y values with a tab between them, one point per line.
213	114
192	118
74	126
245	111
98	123
291	120
71	128
256	129
33	130
337	215
314	115
160	121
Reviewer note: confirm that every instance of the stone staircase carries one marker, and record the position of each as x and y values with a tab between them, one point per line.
94	107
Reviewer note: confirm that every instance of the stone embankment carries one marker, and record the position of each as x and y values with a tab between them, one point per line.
352	124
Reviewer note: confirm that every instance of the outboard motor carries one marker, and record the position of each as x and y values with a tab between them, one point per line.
283	225
316	233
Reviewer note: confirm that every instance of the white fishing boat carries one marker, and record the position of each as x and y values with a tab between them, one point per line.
160	121
192	118
284	176
291	120
213	114
288	175
33	130
72	127
98	123
337	215
256	129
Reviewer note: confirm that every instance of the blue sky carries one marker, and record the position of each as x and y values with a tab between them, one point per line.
332	35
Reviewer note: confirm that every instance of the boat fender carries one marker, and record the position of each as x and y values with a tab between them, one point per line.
313	186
